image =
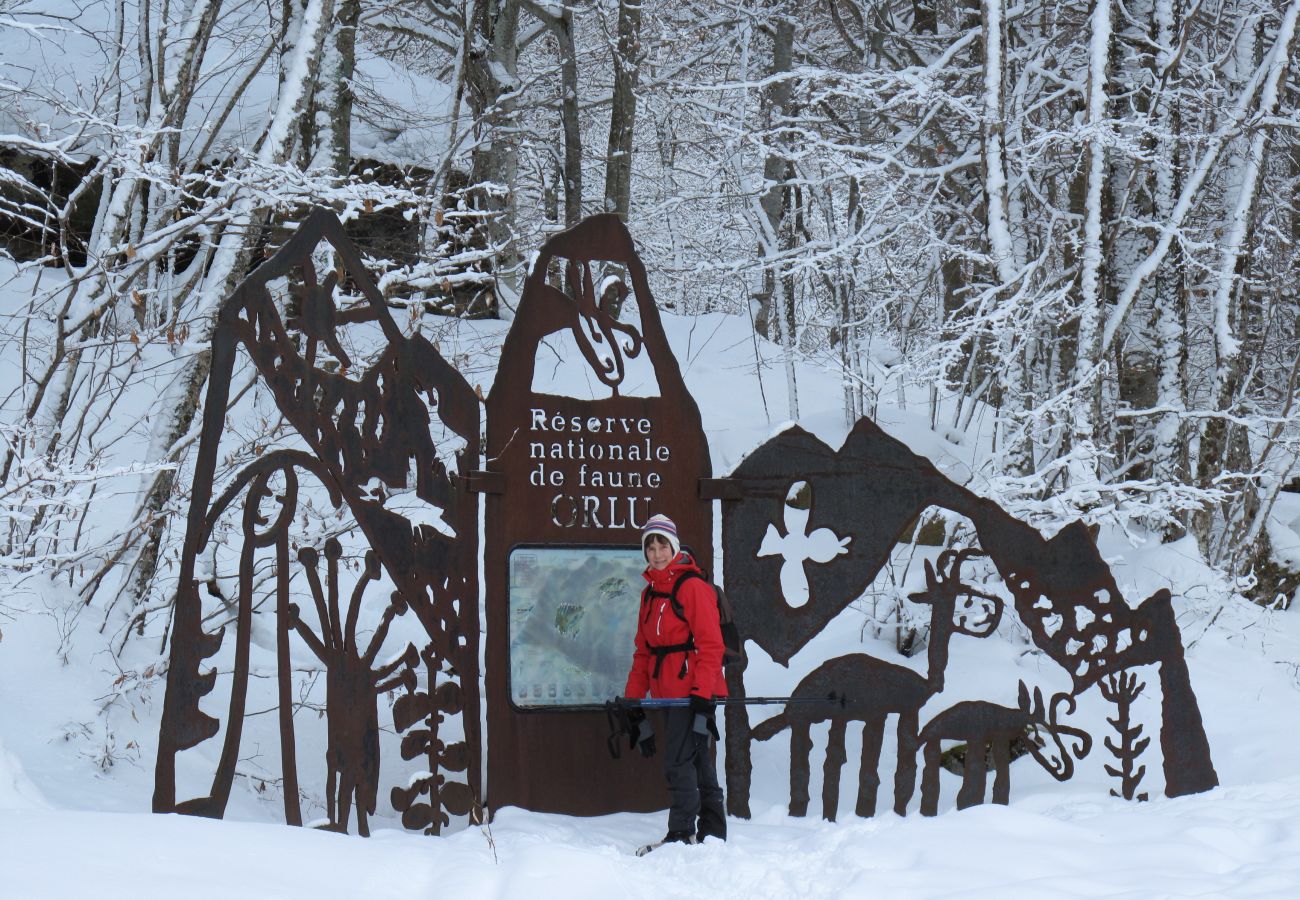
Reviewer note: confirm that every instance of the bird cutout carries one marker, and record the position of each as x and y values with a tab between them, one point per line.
316	316
798	546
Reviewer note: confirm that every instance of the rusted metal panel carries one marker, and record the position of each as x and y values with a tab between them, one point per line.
547	448
859	501
367	432
481	481
721	489
805	530
871	490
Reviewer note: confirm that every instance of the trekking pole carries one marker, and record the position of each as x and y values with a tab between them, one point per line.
667	702
623	722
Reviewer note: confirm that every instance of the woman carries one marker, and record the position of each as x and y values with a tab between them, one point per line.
679	654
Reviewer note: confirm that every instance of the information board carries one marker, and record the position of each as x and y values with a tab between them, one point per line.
573	613
574	469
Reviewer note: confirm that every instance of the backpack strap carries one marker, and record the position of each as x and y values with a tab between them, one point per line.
730	636
687	646
678	610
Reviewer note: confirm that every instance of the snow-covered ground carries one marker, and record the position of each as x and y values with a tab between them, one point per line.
1240	841
78	732
69	828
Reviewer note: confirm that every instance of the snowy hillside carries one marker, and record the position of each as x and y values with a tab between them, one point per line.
78	732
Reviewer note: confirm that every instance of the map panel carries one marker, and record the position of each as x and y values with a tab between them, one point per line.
573	617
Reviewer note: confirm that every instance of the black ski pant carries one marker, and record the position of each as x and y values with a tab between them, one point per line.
692	775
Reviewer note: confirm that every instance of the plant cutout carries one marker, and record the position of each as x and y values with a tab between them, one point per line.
1122	689
798	545
445	796
352	685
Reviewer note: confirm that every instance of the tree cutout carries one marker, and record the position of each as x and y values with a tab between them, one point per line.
798	545
352	685
370	443
1122	689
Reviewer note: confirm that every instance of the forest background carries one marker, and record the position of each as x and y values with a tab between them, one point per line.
1065	229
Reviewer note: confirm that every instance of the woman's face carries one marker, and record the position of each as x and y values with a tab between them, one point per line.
658	552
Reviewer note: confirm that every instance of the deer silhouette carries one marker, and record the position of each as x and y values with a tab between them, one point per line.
873	689
989	729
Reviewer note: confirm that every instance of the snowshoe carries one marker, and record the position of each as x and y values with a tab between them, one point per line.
672	837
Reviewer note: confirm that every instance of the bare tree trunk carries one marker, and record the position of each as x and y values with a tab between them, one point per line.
188	395
962	196
230	261
336	95
163	94
622	120
1133	61
1086	412
492	76
561	27
1231	291
777	99
1017	449
569	120
848	330
1169	461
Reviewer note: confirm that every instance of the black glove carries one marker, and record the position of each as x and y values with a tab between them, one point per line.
639	731
702	716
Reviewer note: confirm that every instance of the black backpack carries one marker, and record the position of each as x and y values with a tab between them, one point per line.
733	651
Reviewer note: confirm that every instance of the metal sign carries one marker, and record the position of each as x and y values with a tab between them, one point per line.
369	437
863	498
590	431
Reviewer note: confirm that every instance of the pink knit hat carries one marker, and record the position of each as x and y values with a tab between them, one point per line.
665	528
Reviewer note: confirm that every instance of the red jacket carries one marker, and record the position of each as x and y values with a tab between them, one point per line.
659	626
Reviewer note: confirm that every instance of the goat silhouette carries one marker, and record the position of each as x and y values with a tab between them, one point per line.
873	689
989	729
